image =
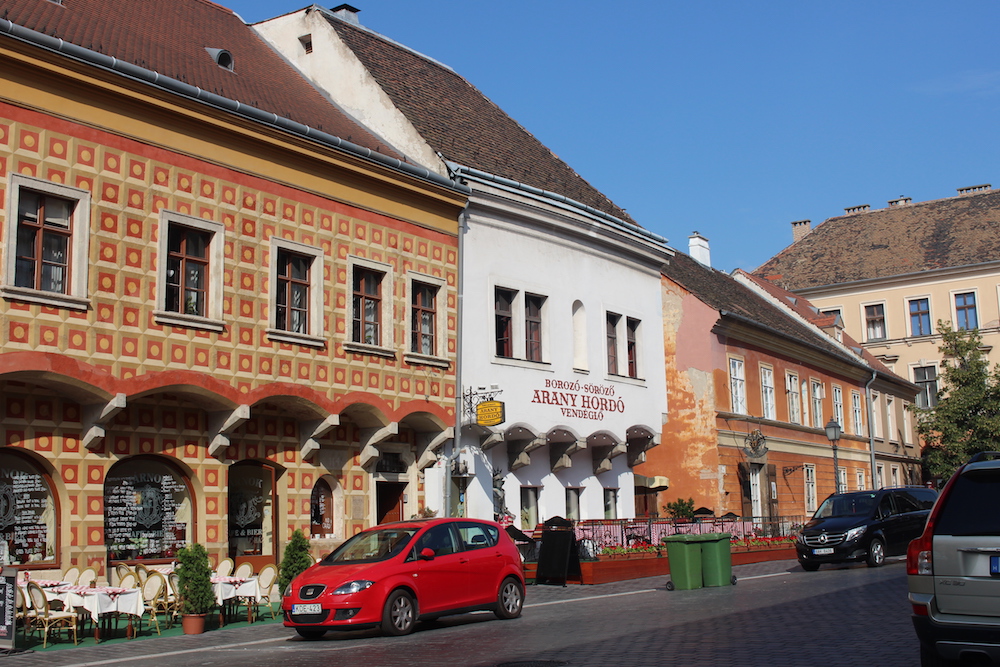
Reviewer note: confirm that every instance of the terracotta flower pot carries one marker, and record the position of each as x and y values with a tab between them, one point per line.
193	624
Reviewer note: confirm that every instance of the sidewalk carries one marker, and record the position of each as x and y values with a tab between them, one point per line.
241	634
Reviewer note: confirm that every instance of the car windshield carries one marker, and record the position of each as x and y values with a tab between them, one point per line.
372	546
856	504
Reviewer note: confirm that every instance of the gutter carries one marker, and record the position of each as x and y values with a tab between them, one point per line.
143	75
871	431
622	225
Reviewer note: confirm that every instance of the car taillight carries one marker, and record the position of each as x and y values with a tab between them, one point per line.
919	554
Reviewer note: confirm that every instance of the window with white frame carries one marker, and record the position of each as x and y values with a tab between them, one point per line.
573	503
191	274
529	507
894	475
860	479
503	308
809	471
925	377
890	418
767	392
533	304
48	239
296	297
632	346
427	321
737	387
816	393
875	322
880	475
965	311
876	425
610	503
804	396
857	424
841	480
371	307
920	317
794	398
622	345
838	405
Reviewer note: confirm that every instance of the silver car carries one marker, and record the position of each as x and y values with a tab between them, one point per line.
953	569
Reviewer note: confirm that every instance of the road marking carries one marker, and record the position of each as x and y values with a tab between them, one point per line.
591	597
167	654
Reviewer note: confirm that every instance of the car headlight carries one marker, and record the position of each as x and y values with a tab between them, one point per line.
353	587
288	590
854	533
800	538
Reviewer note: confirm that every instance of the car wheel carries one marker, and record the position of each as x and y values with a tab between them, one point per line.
809	567
400	614
510	599
309	633
876	553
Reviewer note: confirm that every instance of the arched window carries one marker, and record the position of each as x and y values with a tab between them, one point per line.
321	506
579	336
27	512
251	512
147	510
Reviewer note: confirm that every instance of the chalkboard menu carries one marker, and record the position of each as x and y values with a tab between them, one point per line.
27	513
250	497
146	511
8	607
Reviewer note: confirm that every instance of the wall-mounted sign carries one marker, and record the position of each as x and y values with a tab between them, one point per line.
582	401
490	413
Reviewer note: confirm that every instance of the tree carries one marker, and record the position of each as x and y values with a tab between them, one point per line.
295	560
966	418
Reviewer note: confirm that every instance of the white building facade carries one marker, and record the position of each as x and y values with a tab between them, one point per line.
559	299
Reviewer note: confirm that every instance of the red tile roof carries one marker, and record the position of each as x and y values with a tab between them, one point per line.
170	37
958	231
462	124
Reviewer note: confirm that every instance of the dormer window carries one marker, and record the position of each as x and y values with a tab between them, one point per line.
222	58
307	43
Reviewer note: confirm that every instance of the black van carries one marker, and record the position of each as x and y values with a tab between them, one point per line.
864	525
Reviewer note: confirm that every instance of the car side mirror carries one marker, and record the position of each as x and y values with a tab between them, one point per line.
426	554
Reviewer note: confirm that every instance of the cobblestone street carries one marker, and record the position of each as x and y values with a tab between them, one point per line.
776	615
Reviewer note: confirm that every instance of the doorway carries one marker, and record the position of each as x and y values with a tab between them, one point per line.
389	501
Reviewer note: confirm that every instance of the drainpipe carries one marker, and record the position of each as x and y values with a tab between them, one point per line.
871	431
456	442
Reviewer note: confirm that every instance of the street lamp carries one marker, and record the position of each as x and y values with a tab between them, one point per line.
833	435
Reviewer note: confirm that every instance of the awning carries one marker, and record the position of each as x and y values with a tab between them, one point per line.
655	483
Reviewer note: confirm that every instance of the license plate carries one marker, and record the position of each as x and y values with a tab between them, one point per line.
306	609
994	564
823	552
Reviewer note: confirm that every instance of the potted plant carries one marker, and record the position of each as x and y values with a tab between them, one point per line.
196	595
681	509
295	560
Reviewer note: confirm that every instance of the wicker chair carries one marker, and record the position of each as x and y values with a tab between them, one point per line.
21	612
72	575
128	580
268	574
243	571
121	569
225	567
152	598
46	619
141	573
87	576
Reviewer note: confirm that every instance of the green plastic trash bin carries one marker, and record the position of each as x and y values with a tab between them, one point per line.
684	554
716	559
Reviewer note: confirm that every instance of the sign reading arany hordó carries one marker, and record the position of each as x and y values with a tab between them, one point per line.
583	401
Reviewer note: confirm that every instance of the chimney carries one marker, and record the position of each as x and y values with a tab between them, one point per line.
902	201
856	209
347	13
799	229
698	249
974	188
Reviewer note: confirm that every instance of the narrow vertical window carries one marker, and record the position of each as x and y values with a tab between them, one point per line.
612	342
816	393
810	487
767	392
920	317
573	504
925	377
529	507
423	316
43	242
856	413
841	480
860	479
367	306
794	399
533	326
875	321
187	270
965	311
292	295
610	503
504	315
737	387
838	406
631	350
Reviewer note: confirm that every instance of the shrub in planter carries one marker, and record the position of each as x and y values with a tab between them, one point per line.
681	509
295	560
194	576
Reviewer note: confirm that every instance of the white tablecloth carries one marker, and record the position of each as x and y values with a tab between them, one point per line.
226	590
98	601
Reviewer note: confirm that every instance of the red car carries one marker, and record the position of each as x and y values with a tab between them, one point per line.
397	573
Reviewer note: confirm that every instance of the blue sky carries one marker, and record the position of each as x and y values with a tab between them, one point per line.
731	118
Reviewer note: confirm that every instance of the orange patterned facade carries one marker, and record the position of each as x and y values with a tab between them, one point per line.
85	390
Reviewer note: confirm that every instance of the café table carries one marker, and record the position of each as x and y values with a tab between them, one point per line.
101	602
234	588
